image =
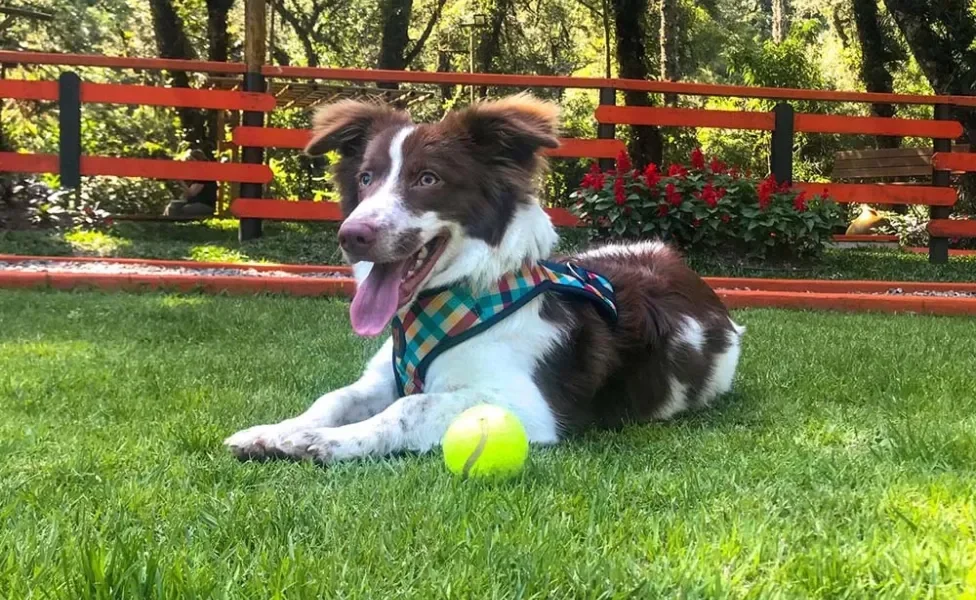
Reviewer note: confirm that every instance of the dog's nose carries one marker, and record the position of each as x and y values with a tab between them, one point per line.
357	238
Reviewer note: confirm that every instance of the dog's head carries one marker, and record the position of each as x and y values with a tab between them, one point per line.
424	203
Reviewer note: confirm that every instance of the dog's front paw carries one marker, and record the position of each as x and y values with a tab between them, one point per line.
273	441
309	444
255	443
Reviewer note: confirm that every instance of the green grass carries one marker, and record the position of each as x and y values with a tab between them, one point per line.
216	240
843	466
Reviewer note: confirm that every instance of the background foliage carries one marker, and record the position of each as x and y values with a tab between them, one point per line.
889	45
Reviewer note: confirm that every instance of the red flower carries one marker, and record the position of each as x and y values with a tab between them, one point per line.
619	194
662	211
697	159
726	218
720	192
677	171
800	202
672	195
623	162
594	179
717	166
651	175
734	172
709	195
696	223
765	192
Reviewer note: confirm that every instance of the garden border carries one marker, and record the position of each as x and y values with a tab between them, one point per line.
817	294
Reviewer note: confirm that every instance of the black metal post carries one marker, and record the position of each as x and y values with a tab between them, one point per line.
781	152
250	229
939	246
69	122
607	131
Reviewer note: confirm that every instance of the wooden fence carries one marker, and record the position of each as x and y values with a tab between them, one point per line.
253	137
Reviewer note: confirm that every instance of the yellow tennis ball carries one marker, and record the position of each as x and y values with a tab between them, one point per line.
486	441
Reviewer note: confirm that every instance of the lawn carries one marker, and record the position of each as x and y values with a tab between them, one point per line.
216	240
843	466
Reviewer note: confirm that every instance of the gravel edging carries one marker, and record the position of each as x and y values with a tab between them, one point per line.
115	268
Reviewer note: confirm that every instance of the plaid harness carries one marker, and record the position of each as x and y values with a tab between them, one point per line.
442	318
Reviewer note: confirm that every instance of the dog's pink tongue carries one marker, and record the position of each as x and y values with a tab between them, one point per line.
376	300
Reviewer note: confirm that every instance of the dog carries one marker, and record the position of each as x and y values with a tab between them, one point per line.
444	215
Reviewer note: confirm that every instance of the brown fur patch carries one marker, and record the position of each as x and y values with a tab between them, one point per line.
606	376
347	126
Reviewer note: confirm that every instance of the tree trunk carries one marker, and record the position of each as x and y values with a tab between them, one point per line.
217	37
646	145
395	53
874	61
781	20
669	46
490	44
444	66
172	42
942	37
218	49
395	15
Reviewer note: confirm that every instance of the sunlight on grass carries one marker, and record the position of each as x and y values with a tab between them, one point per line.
842	466
220	224
96	243
182	301
211	253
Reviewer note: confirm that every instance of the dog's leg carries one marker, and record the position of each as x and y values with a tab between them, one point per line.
368	396
416	423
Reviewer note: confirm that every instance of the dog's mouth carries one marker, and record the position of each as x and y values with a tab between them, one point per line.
391	286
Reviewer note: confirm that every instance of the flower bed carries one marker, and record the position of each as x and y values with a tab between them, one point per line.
705	205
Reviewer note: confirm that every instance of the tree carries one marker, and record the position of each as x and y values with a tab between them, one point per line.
878	51
942	38
218	38
630	25
396	52
669	45
781	20
172	42
602	12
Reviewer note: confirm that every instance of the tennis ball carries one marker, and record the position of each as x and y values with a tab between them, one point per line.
485	442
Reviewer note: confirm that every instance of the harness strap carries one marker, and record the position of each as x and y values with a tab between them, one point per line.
442	318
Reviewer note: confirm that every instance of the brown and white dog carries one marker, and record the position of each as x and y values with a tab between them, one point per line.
427	205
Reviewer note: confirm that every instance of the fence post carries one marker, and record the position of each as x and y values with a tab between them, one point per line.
255	50
607	131
939	246
69	123
781	151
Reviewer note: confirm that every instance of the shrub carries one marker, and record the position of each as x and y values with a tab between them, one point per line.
32	203
705	206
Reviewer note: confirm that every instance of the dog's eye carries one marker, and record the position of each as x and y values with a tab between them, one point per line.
427	178
365	178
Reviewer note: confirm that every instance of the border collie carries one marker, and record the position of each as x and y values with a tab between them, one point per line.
451	208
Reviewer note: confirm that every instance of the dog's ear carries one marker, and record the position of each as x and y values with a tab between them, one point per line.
514	129
347	125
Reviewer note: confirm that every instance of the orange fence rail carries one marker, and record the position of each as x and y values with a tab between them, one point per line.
274	137
143	95
782	123
480	79
139	167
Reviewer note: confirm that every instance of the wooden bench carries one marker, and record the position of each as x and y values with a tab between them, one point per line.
886	165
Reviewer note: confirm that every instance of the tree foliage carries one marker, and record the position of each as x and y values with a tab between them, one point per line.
875	45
